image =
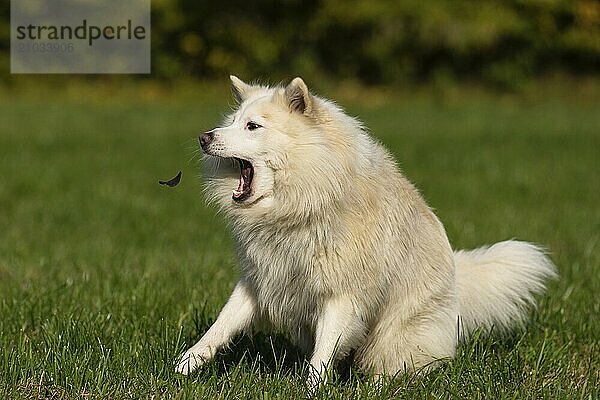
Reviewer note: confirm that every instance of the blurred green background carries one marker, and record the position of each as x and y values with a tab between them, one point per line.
501	43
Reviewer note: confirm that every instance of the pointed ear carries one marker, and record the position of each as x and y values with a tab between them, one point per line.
298	97
240	88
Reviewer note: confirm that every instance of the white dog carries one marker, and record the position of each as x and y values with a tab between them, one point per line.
338	249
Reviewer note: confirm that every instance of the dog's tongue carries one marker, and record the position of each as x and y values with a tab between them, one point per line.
240	190
243	185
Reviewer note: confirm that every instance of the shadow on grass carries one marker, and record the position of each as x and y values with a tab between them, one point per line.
273	357
271	354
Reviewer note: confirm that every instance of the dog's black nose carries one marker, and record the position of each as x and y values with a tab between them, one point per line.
206	138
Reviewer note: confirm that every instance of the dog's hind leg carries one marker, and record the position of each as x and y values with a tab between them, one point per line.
339	329
236	316
420	342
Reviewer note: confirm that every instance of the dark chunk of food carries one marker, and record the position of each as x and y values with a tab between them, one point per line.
172	182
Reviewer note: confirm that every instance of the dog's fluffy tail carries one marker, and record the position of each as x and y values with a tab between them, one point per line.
496	284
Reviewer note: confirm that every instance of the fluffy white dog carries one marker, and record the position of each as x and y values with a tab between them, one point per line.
338	249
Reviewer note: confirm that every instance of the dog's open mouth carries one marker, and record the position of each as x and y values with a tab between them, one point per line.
244	189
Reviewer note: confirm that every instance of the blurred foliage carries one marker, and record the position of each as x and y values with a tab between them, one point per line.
501	42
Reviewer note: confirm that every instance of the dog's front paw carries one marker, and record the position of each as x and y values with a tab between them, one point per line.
190	361
315	380
313	383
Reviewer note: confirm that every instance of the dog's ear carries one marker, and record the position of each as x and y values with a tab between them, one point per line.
239	88
298	97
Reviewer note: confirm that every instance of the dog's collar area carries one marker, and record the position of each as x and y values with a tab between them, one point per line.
244	189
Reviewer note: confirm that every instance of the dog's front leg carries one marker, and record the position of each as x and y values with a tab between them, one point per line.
236	316
339	329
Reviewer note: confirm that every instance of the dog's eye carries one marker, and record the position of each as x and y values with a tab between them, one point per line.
252	126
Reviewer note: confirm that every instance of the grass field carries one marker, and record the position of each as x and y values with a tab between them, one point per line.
105	276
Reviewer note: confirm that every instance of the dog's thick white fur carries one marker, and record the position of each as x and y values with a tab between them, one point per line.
338	249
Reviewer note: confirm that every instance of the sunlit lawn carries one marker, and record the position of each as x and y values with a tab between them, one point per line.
105	276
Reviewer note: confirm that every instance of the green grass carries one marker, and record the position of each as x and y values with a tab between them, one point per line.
105	276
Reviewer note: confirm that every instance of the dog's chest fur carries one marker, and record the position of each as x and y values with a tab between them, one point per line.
287	278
